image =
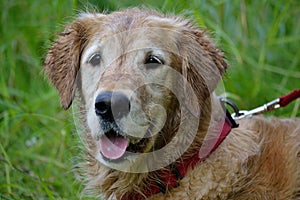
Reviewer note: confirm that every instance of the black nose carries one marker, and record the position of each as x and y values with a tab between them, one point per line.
112	105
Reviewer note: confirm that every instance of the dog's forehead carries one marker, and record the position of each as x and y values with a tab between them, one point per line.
130	28
142	37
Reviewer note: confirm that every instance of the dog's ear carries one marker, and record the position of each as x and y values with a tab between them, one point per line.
202	63
62	61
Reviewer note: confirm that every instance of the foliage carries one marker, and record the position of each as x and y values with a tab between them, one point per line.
38	143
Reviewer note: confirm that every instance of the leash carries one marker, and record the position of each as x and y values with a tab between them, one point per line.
272	105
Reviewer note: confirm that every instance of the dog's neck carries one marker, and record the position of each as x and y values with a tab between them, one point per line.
169	177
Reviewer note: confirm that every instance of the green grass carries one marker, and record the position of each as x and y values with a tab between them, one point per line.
38	143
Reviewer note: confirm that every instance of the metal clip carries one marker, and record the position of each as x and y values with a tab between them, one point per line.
264	108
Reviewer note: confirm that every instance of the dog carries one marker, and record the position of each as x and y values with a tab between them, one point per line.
151	123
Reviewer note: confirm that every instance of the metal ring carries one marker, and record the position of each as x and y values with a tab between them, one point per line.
232	105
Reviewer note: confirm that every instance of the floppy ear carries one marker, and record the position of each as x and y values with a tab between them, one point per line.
62	62
203	64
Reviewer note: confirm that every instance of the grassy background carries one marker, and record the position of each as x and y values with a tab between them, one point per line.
37	139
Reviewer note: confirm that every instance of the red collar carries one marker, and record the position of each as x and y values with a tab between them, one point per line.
170	178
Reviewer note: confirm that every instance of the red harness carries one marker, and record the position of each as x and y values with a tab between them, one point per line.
170	178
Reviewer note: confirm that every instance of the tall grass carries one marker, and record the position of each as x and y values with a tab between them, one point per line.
37	139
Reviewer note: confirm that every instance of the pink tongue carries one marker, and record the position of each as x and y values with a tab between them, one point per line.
113	146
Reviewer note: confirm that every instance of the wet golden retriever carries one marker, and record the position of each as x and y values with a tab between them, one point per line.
152	126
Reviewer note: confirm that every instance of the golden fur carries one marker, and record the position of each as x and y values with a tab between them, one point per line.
258	160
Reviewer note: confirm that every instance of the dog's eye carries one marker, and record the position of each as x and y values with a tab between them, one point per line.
153	60
95	59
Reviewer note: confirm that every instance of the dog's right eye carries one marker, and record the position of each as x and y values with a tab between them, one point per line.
95	59
153	61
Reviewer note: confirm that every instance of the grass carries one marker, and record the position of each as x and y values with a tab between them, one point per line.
37	139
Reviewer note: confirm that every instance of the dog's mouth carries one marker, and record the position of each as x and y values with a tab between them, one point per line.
114	146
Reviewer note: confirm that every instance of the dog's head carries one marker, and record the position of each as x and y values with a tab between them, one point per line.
140	75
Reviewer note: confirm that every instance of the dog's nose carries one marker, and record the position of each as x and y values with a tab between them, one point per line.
112	105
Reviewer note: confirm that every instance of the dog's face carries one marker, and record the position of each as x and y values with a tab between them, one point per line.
140	75
127	85
127	74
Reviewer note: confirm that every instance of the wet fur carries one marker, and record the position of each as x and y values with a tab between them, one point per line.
258	160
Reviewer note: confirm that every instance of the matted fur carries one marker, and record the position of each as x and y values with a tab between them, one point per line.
258	160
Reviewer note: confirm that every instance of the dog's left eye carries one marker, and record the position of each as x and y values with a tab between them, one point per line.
153	61
95	59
